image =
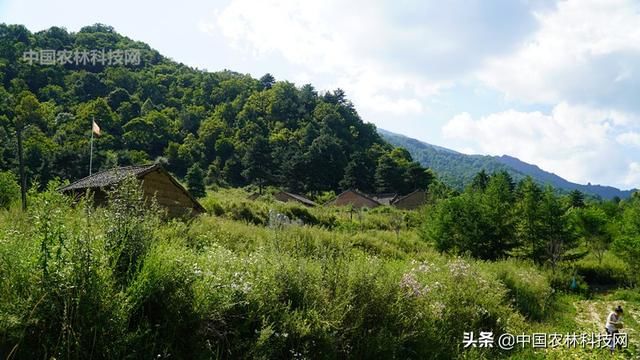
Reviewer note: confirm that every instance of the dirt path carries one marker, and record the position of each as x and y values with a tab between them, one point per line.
591	316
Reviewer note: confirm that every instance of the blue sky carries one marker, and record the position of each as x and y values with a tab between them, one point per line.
555	83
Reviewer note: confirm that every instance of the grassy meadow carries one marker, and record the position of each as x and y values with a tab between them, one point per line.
123	283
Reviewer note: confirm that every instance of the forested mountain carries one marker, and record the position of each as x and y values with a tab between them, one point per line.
458	170
227	127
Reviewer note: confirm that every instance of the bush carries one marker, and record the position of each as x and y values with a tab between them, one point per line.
62	299
9	189
158	305
610	272
568	281
130	221
529	288
461	297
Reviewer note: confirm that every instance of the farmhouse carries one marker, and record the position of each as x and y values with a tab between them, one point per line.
156	181
287	197
411	201
354	198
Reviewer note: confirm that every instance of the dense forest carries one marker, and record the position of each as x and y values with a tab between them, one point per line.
225	127
257	278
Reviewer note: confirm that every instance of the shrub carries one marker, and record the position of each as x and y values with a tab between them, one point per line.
244	211
64	306
130	222
568	281
529	288
9	189
158	304
628	248
461	297
610	272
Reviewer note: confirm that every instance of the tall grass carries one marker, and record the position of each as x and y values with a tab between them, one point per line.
119	282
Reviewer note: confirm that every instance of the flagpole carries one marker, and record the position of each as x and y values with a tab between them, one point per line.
91	147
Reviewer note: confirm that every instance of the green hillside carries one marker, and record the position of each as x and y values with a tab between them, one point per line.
224	126
457	170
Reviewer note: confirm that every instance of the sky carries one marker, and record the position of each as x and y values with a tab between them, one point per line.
554	83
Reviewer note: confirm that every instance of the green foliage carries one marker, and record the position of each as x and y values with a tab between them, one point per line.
159	303
605	270
240	129
628	248
216	287
593	225
530	290
627	242
9	189
478	222
195	181
458	170
130	220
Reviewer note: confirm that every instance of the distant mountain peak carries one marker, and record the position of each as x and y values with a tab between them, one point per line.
457	169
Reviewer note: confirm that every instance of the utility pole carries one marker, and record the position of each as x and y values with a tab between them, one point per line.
23	178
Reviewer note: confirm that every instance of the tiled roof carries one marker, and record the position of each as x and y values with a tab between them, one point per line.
300	198
110	177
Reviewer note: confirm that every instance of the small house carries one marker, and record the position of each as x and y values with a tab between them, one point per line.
156	182
354	198
290	197
411	201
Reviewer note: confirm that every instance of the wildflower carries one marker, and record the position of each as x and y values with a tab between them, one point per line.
459	268
410	283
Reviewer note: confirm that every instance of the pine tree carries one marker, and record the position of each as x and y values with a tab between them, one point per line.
388	176
257	162
195	181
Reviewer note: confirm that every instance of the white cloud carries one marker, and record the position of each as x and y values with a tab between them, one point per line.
633	173
585	51
576	142
629	138
389	56
394	59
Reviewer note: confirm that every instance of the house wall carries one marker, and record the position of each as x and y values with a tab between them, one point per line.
167	194
412	201
354	199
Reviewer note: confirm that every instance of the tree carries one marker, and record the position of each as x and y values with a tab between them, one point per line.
627	243
232	172
576	199
557	236
257	162
357	173
418	177
480	181
529	225
591	224
266	81
195	181
499	211
326	161
27	113
466	225
389	175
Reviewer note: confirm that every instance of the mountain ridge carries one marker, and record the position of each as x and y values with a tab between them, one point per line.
457	169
